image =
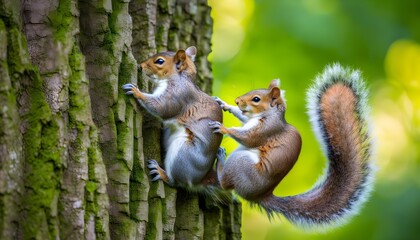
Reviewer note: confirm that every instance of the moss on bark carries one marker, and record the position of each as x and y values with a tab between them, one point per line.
73	146
42	156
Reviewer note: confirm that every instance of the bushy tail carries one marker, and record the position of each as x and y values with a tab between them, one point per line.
337	105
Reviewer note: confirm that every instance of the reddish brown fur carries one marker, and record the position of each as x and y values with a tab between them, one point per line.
190	135
186	111
173	63
338	111
162	71
336	103
278	143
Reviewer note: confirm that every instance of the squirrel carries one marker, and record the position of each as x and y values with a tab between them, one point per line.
191	147
270	146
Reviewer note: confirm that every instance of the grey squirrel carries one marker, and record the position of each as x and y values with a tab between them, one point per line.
191	147
270	146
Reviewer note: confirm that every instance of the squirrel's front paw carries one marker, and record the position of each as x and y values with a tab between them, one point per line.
222	103
132	88
217	127
129	88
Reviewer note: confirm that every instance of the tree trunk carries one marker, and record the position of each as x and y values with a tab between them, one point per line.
72	145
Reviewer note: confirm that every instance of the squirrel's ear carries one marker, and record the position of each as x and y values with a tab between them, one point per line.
274	83
179	58
275	96
191	52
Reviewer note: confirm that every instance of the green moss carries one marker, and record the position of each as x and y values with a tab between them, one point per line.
96	201
109	45
95	159
128	68
101	230
124	133
138	173
61	20
160	35
40	138
110	37
79	100
173	40
17	57
3	41
92	156
80	118
155	218
135	202
139	183
117	7
122	227
43	161
91	186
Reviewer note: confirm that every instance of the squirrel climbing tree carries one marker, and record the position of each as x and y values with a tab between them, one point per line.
72	145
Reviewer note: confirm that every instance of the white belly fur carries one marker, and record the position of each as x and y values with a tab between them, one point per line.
251	123
160	87
252	154
176	140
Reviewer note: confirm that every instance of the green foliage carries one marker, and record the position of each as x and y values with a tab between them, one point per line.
293	41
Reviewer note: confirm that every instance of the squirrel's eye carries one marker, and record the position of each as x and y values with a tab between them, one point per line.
256	99
159	61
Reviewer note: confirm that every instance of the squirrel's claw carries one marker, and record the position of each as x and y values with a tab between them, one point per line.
222	104
154	169
217	130
128	86
218	100
132	89
152	165
216	126
157	177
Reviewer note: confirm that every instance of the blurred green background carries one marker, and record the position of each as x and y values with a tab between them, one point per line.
256	41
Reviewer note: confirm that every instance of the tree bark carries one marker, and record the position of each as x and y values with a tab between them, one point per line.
72	145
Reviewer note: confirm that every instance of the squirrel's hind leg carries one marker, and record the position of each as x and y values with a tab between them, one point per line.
221	158
155	169
213	177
